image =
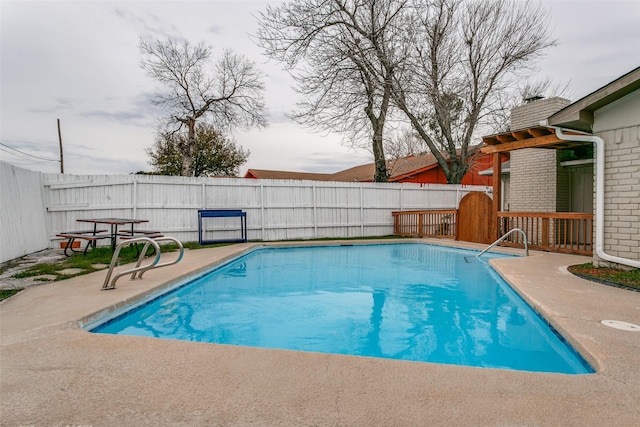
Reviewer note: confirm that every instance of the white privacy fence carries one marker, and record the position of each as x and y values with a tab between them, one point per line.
276	209
23	220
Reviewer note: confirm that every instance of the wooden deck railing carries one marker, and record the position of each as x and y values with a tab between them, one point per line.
567	232
428	223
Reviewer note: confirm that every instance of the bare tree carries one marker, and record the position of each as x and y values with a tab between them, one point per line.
229	96
465	54
342	55
404	142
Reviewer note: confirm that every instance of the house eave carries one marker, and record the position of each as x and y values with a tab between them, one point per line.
579	115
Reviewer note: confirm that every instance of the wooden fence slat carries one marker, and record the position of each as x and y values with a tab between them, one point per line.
429	223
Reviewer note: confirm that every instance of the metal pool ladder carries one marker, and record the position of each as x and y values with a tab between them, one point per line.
139	270
524	236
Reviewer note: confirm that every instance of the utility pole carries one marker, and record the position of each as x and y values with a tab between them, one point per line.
60	139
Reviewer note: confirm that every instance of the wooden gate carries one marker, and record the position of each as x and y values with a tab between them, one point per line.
475	218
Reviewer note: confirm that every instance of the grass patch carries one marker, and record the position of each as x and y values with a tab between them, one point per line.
6	293
191	245
38	270
81	261
96	256
607	275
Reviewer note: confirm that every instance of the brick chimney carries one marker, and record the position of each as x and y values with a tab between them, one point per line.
536	182
534	110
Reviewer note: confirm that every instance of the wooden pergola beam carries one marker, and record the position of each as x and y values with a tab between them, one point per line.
497	194
522	134
504	138
539	142
537	132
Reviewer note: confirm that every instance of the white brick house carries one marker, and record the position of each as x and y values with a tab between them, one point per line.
542	178
612	113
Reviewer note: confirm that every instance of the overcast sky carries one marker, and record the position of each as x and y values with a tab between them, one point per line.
78	61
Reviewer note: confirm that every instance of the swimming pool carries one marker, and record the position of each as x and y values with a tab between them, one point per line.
409	301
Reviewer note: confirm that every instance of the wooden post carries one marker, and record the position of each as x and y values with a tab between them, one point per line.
497	193
545	232
60	139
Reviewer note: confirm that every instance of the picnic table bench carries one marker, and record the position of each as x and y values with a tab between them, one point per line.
91	236
134	234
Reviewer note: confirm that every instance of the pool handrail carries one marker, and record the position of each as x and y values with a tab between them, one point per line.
138	270
142	270
504	236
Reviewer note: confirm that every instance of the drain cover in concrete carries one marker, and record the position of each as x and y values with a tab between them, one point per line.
624	326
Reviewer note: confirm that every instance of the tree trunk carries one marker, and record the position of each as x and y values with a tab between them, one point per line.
187	152
381	174
456	173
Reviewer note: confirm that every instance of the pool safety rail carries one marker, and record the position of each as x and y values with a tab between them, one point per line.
513	230
139	269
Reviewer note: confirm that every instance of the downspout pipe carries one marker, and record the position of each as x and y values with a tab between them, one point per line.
599	144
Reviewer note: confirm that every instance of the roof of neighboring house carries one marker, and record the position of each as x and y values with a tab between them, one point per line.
408	166
271	174
579	115
362	173
399	169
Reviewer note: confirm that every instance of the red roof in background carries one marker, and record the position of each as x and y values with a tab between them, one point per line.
363	173
400	169
271	174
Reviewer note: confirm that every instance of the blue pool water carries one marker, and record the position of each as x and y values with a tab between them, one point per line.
409	301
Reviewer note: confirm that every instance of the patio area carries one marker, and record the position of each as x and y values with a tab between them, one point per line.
55	373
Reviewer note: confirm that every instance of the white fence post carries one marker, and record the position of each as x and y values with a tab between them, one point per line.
361	211
262	229
134	197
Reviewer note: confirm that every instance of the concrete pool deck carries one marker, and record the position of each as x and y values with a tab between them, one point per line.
52	372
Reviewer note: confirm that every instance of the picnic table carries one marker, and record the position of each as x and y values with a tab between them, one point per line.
91	236
113	224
